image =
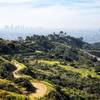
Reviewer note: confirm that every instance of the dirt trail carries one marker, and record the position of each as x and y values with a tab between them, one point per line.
91	55
41	88
15	72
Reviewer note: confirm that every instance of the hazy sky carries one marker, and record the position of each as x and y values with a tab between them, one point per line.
69	14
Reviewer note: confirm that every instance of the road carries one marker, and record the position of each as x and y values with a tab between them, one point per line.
91	55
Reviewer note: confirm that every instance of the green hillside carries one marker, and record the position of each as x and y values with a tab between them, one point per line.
52	67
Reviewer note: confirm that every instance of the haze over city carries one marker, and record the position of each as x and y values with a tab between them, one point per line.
26	17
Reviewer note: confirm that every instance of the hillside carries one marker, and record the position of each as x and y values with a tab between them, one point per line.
52	67
95	50
96	45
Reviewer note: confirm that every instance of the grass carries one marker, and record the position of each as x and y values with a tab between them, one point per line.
39	52
82	71
76	92
3	59
62	44
42	71
20	65
5	95
5	81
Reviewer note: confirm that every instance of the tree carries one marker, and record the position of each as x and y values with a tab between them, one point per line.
20	39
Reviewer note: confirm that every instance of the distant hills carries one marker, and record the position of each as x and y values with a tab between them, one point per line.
11	33
90	36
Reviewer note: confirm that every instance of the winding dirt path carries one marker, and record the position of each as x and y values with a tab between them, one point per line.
41	88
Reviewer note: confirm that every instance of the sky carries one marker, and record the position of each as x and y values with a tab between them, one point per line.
67	14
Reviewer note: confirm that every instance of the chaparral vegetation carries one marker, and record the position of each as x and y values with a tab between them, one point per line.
49	67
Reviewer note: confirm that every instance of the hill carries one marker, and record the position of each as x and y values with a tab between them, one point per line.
52	67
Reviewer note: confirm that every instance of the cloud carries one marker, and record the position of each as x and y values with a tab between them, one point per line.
13	1
82	4
9	3
71	14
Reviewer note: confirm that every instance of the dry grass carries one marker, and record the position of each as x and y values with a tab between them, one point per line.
82	71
